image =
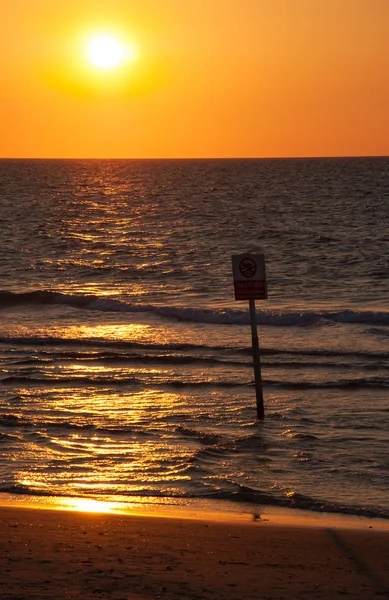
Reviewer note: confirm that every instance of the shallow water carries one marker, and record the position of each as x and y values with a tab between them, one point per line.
126	363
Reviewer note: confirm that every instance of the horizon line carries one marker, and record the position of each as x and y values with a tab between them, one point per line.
291	157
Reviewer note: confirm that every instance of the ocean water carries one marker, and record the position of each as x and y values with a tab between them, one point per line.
126	370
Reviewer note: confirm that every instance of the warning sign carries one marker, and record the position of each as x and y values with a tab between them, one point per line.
249	276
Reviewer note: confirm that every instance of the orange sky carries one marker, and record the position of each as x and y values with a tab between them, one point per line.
213	78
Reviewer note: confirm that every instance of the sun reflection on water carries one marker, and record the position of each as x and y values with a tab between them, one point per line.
104	444
88	505
122	331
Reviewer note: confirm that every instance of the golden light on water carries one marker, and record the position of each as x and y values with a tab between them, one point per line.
105	400
101	459
88	505
112	331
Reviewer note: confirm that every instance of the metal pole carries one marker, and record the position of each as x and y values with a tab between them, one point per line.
256	362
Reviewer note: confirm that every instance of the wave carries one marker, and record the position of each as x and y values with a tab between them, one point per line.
203	438
300	501
362	382
115	381
149	382
119	359
12	420
239	494
99	342
110	347
211	316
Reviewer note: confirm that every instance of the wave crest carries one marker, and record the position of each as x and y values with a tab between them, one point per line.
211	316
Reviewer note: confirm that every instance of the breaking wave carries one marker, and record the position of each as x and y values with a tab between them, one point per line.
115	381
110	349
210	316
239	494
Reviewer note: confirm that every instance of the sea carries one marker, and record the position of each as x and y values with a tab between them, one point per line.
126	362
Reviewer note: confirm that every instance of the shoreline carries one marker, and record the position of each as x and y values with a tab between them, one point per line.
197	509
46	554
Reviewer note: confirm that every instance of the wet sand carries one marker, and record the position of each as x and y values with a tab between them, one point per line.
57	554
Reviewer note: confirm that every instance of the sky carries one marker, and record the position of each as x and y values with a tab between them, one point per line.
205	79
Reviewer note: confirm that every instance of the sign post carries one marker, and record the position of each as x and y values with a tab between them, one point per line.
250	284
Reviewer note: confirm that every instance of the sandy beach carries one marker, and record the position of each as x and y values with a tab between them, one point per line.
58	554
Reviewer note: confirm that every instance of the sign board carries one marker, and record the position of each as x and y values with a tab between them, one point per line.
249	276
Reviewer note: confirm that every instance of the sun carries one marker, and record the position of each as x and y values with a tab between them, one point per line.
105	52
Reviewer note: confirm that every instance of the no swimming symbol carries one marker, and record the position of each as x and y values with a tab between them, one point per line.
249	276
247	267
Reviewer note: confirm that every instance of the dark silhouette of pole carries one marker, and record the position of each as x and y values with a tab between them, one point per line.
256	362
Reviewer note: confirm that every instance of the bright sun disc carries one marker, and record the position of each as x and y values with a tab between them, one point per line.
105	52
